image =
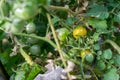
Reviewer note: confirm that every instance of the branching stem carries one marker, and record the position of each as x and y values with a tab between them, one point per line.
37	37
48	7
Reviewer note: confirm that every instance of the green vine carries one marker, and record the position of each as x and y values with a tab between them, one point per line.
114	45
37	37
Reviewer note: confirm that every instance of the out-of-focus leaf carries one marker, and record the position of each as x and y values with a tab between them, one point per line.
117	60
98	11
96	47
1	35
44	1
107	54
35	70
20	75
4	57
111	75
117	17
99	53
7	61
62	14
70	21
97	24
12	77
55	20
96	36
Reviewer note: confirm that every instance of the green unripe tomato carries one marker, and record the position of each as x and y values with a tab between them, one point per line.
89	58
62	33
101	65
26	10
30	28
7	26
35	50
32	40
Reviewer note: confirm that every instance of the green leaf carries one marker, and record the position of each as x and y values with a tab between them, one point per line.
111	61
98	57
12	77
55	20
20	75
70	21
43	1
96	47
48	2
97	24
62	14
117	17
1	35
99	53
35	70
96	36
111	74
4	57
117	60
98	11
7	61
107	54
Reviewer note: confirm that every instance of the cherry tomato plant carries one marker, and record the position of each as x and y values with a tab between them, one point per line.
84	32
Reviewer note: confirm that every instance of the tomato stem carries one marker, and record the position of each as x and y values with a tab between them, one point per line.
37	37
27	57
61	9
114	45
56	40
57	43
81	68
48	7
1	10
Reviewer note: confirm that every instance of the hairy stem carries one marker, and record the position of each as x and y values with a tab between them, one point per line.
37	37
27	57
56	40
60	8
48	7
57	43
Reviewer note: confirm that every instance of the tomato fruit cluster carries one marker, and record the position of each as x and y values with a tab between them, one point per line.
75	31
26	9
